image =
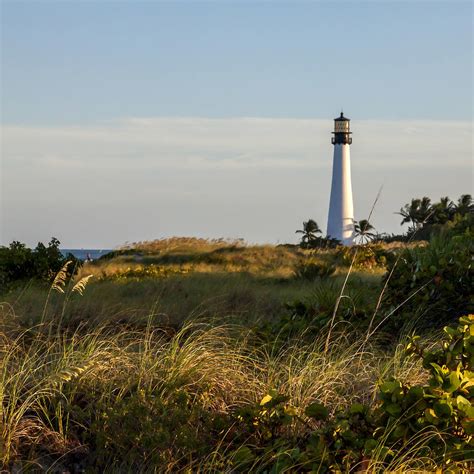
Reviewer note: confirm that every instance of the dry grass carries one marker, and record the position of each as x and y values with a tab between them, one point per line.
45	375
97	377
183	255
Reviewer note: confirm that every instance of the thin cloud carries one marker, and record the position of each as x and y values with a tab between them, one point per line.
255	178
245	142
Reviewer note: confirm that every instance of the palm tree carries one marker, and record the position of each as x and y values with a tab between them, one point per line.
409	212
442	211
424	211
464	205
362	231
309	231
417	212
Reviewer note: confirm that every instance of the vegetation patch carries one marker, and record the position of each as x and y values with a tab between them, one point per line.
188	355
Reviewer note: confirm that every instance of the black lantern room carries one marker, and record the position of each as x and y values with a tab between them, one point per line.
342	132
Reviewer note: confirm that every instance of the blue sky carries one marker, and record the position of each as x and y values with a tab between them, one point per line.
89	60
72	70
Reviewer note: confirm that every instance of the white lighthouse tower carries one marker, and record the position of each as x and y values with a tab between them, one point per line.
341	208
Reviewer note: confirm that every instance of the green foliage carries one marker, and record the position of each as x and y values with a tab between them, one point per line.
309	231
18	262
319	242
311	269
148	271
360	435
364	256
138	396
335	444
343	442
445	403
317	411
432	280
266	420
364	231
307	318
427	218
141	428
310	239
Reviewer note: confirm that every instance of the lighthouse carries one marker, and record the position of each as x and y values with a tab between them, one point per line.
341	207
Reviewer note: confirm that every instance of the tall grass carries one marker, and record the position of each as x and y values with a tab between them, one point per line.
97	382
56	387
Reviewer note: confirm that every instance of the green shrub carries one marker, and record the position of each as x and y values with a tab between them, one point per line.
442	409
321	243
445	404
306	318
311	270
18	262
364	256
432	280
146	271
143	428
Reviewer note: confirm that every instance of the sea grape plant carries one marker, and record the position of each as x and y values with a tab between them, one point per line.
360	436
435	280
447	401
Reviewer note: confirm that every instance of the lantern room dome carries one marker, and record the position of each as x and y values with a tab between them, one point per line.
341	118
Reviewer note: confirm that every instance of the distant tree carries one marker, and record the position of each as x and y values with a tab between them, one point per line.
323	243
363	231
18	262
309	231
409	212
442	211
464	205
424	211
428	219
416	213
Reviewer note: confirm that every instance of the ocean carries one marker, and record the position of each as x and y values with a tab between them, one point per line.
83	254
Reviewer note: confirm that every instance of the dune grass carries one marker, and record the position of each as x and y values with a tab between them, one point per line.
154	399
146	372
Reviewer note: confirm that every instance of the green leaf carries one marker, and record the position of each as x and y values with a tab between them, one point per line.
443	409
357	408
390	387
393	409
431	417
370	445
468	425
465	406
400	431
453	383
242	456
451	331
266	399
415	394
317	411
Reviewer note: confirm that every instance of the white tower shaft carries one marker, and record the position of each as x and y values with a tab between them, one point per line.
341	207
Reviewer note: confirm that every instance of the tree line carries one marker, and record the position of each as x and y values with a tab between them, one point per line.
423	216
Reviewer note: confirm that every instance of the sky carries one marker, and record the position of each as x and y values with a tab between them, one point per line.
129	121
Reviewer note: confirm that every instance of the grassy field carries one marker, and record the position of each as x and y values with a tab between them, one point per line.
163	359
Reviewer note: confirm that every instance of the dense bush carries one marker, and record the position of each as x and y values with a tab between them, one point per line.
427	218
146	271
321	243
18	262
435	279
149	426
438	415
364	256
311	269
445	403
308	317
